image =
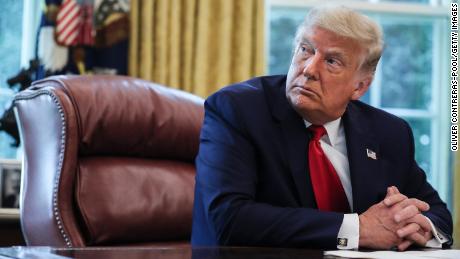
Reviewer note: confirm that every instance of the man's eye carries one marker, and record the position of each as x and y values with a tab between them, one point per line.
305	51
332	61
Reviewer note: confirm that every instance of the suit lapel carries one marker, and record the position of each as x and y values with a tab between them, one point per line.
295	139
365	171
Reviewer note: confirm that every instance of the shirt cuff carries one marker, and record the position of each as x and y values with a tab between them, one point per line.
348	237
438	238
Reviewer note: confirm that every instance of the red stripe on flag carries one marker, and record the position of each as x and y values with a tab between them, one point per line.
65	24
65	9
68	23
71	29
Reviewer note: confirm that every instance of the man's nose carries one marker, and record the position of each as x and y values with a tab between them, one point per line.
310	69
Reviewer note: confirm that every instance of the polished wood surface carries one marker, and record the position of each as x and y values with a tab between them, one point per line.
162	253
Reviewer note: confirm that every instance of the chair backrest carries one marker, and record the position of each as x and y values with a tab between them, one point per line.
107	160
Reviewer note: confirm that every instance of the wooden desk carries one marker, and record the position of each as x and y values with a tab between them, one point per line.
163	253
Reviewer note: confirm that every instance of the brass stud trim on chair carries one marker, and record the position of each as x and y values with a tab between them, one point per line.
56	213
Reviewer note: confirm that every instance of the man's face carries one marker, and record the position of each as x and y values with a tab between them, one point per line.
324	75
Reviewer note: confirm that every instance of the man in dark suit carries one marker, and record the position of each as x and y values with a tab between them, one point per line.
298	161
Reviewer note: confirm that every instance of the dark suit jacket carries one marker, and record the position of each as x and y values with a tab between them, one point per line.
253	185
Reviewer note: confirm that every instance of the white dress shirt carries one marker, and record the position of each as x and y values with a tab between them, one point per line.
335	148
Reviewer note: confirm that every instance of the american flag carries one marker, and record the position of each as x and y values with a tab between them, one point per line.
86	32
68	22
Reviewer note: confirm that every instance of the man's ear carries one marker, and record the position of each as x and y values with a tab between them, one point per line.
361	87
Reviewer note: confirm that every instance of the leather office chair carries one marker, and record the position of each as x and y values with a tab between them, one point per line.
107	160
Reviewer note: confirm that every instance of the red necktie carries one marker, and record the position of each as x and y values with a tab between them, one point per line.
328	189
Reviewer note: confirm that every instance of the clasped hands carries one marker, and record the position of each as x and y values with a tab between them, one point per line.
397	221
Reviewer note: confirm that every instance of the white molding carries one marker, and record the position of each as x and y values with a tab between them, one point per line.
9	162
442	124
381	7
9	214
436	107
31	16
375	93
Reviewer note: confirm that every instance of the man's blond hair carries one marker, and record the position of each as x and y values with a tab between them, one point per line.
346	22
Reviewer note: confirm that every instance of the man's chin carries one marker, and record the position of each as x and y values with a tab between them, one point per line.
304	106
302	101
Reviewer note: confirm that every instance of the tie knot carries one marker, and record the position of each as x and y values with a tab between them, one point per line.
318	131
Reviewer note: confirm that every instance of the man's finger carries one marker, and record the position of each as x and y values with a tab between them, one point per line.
389	192
406	213
428	235
407	230
421	205
394	199
417	238
422	221
404	245
392	190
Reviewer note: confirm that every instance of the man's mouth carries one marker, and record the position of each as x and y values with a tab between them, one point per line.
305	90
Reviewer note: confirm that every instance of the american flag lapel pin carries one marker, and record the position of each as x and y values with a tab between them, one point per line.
371	154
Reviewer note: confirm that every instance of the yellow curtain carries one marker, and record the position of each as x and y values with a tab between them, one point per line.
197	45
456	201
